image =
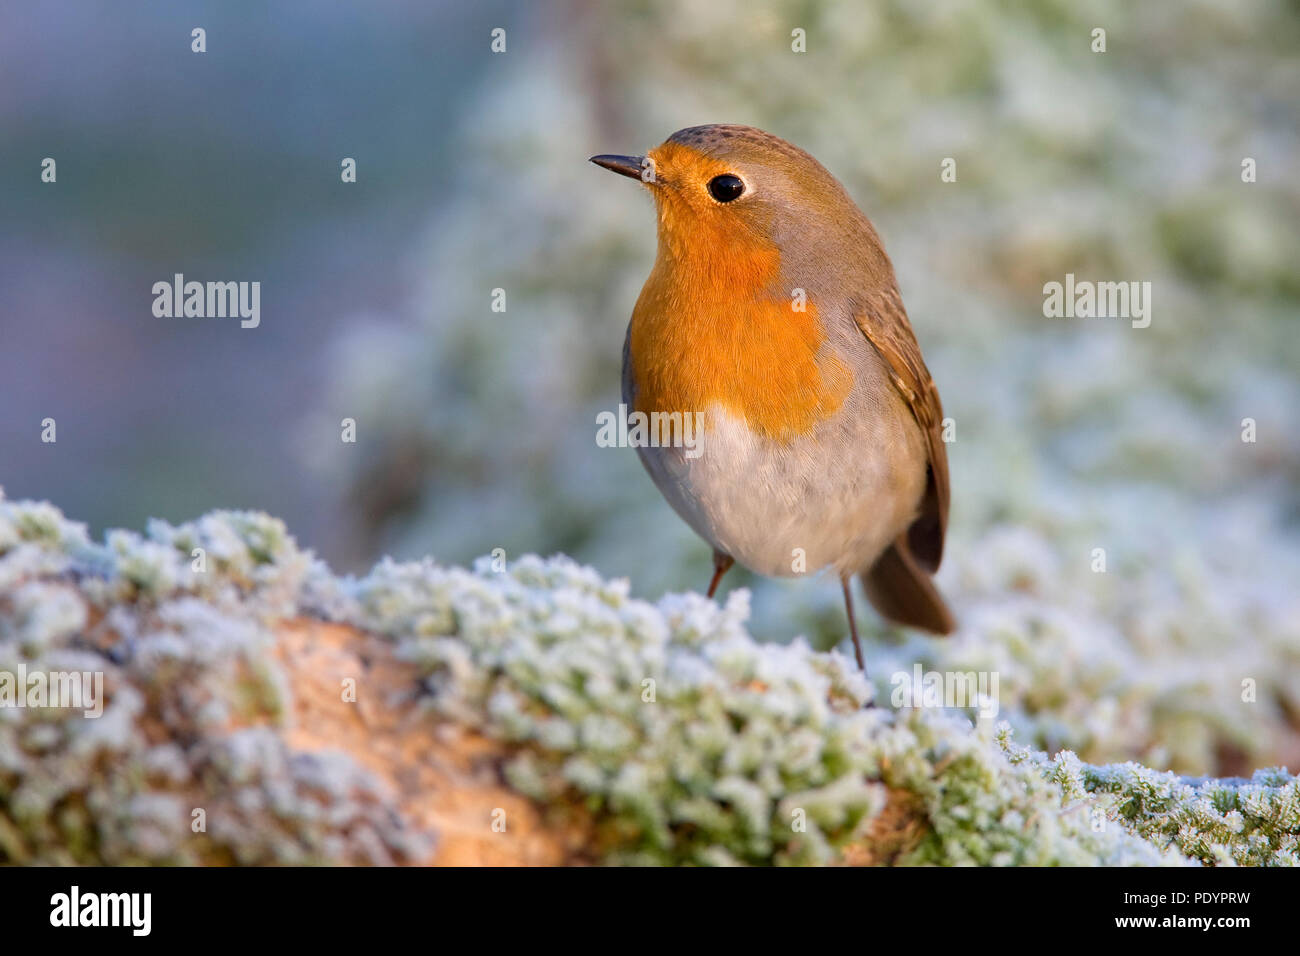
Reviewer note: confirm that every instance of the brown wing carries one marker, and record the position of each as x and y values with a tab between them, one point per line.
883	321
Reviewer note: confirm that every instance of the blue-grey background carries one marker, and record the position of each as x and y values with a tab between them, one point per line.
223	166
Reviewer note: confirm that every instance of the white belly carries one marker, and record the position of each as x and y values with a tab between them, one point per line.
835	497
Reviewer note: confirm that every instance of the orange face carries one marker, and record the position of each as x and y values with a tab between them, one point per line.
715	323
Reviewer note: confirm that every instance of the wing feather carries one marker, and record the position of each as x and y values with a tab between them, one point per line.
883	320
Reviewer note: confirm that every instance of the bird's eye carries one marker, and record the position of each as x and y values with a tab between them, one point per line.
726	187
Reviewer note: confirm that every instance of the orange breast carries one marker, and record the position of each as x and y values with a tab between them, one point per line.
715	329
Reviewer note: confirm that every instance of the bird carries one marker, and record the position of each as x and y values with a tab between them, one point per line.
772	318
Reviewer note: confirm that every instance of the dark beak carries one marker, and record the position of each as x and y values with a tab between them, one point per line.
629	166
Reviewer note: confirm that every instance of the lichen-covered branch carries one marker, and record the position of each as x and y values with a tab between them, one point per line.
259	709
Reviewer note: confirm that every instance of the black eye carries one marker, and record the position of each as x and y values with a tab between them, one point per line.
726	187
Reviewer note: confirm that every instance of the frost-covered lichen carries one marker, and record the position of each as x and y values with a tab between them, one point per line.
685	738
1252	822
187	763
665	729
691	742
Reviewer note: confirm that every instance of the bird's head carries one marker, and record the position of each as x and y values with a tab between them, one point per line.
744	199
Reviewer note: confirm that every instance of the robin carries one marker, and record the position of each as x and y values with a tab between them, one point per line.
772	316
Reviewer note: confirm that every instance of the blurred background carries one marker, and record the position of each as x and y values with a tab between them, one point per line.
475	429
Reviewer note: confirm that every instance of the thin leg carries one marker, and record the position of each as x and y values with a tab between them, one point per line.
853	624
721	565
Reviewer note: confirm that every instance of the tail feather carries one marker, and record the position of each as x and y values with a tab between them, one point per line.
902	591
